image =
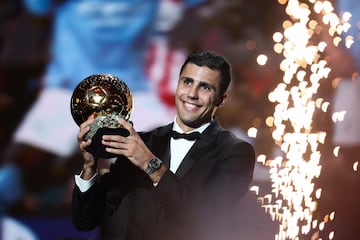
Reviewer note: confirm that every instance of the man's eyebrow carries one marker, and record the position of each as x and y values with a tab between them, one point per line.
201	83
187	78
206	84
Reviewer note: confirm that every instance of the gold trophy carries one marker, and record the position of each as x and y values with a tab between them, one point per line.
108	98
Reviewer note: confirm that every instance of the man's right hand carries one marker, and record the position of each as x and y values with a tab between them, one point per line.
90	161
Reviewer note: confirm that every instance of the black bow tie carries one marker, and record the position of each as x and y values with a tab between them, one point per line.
188	136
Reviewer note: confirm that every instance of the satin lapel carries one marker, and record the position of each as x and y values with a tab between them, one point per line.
199	149
164	153
161	145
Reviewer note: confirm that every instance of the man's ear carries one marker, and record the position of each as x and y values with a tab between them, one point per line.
222	100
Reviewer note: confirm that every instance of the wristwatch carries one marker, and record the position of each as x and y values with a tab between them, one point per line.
154	165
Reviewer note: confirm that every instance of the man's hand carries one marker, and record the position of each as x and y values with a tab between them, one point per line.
90	161
131	146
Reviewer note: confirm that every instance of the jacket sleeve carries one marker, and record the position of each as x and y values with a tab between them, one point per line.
93	207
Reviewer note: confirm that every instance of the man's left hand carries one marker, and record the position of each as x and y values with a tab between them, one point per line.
131	146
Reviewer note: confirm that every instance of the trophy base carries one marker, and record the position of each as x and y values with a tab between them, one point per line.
97	149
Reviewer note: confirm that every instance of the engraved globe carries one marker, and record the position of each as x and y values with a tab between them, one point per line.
108	98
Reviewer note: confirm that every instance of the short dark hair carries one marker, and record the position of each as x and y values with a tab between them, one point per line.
213	61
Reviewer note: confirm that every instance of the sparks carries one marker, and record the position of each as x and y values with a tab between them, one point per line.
293	197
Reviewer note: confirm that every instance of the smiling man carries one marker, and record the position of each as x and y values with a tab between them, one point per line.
197	96
179	181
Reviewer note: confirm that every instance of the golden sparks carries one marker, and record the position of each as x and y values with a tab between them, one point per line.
293	197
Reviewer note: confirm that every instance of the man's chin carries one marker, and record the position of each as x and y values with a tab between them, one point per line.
192	124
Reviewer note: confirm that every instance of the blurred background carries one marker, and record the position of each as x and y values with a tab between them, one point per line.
48	46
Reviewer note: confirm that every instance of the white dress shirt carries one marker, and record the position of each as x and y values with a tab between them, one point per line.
180	147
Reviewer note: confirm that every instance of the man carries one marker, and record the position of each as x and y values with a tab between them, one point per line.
165	187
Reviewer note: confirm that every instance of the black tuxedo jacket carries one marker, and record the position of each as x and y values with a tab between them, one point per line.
196	202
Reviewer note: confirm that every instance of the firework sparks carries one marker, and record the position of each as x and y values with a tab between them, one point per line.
293	198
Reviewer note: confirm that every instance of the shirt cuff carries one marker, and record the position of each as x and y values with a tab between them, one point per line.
84	185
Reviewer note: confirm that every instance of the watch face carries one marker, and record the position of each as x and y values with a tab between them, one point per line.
155	163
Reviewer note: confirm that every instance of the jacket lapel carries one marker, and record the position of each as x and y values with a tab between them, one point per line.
199	149
161	144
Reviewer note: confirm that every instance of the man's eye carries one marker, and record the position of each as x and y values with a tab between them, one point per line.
205	87
187	81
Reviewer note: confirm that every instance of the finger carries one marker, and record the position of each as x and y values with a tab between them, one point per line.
128	126
117	151
84	145
85	127
82	133
114	145
89	121
114	138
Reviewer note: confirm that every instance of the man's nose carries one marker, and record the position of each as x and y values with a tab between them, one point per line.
193	92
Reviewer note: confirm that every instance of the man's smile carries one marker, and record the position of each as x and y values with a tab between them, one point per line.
190	106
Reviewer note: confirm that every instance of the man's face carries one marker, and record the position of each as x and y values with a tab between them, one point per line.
197	96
